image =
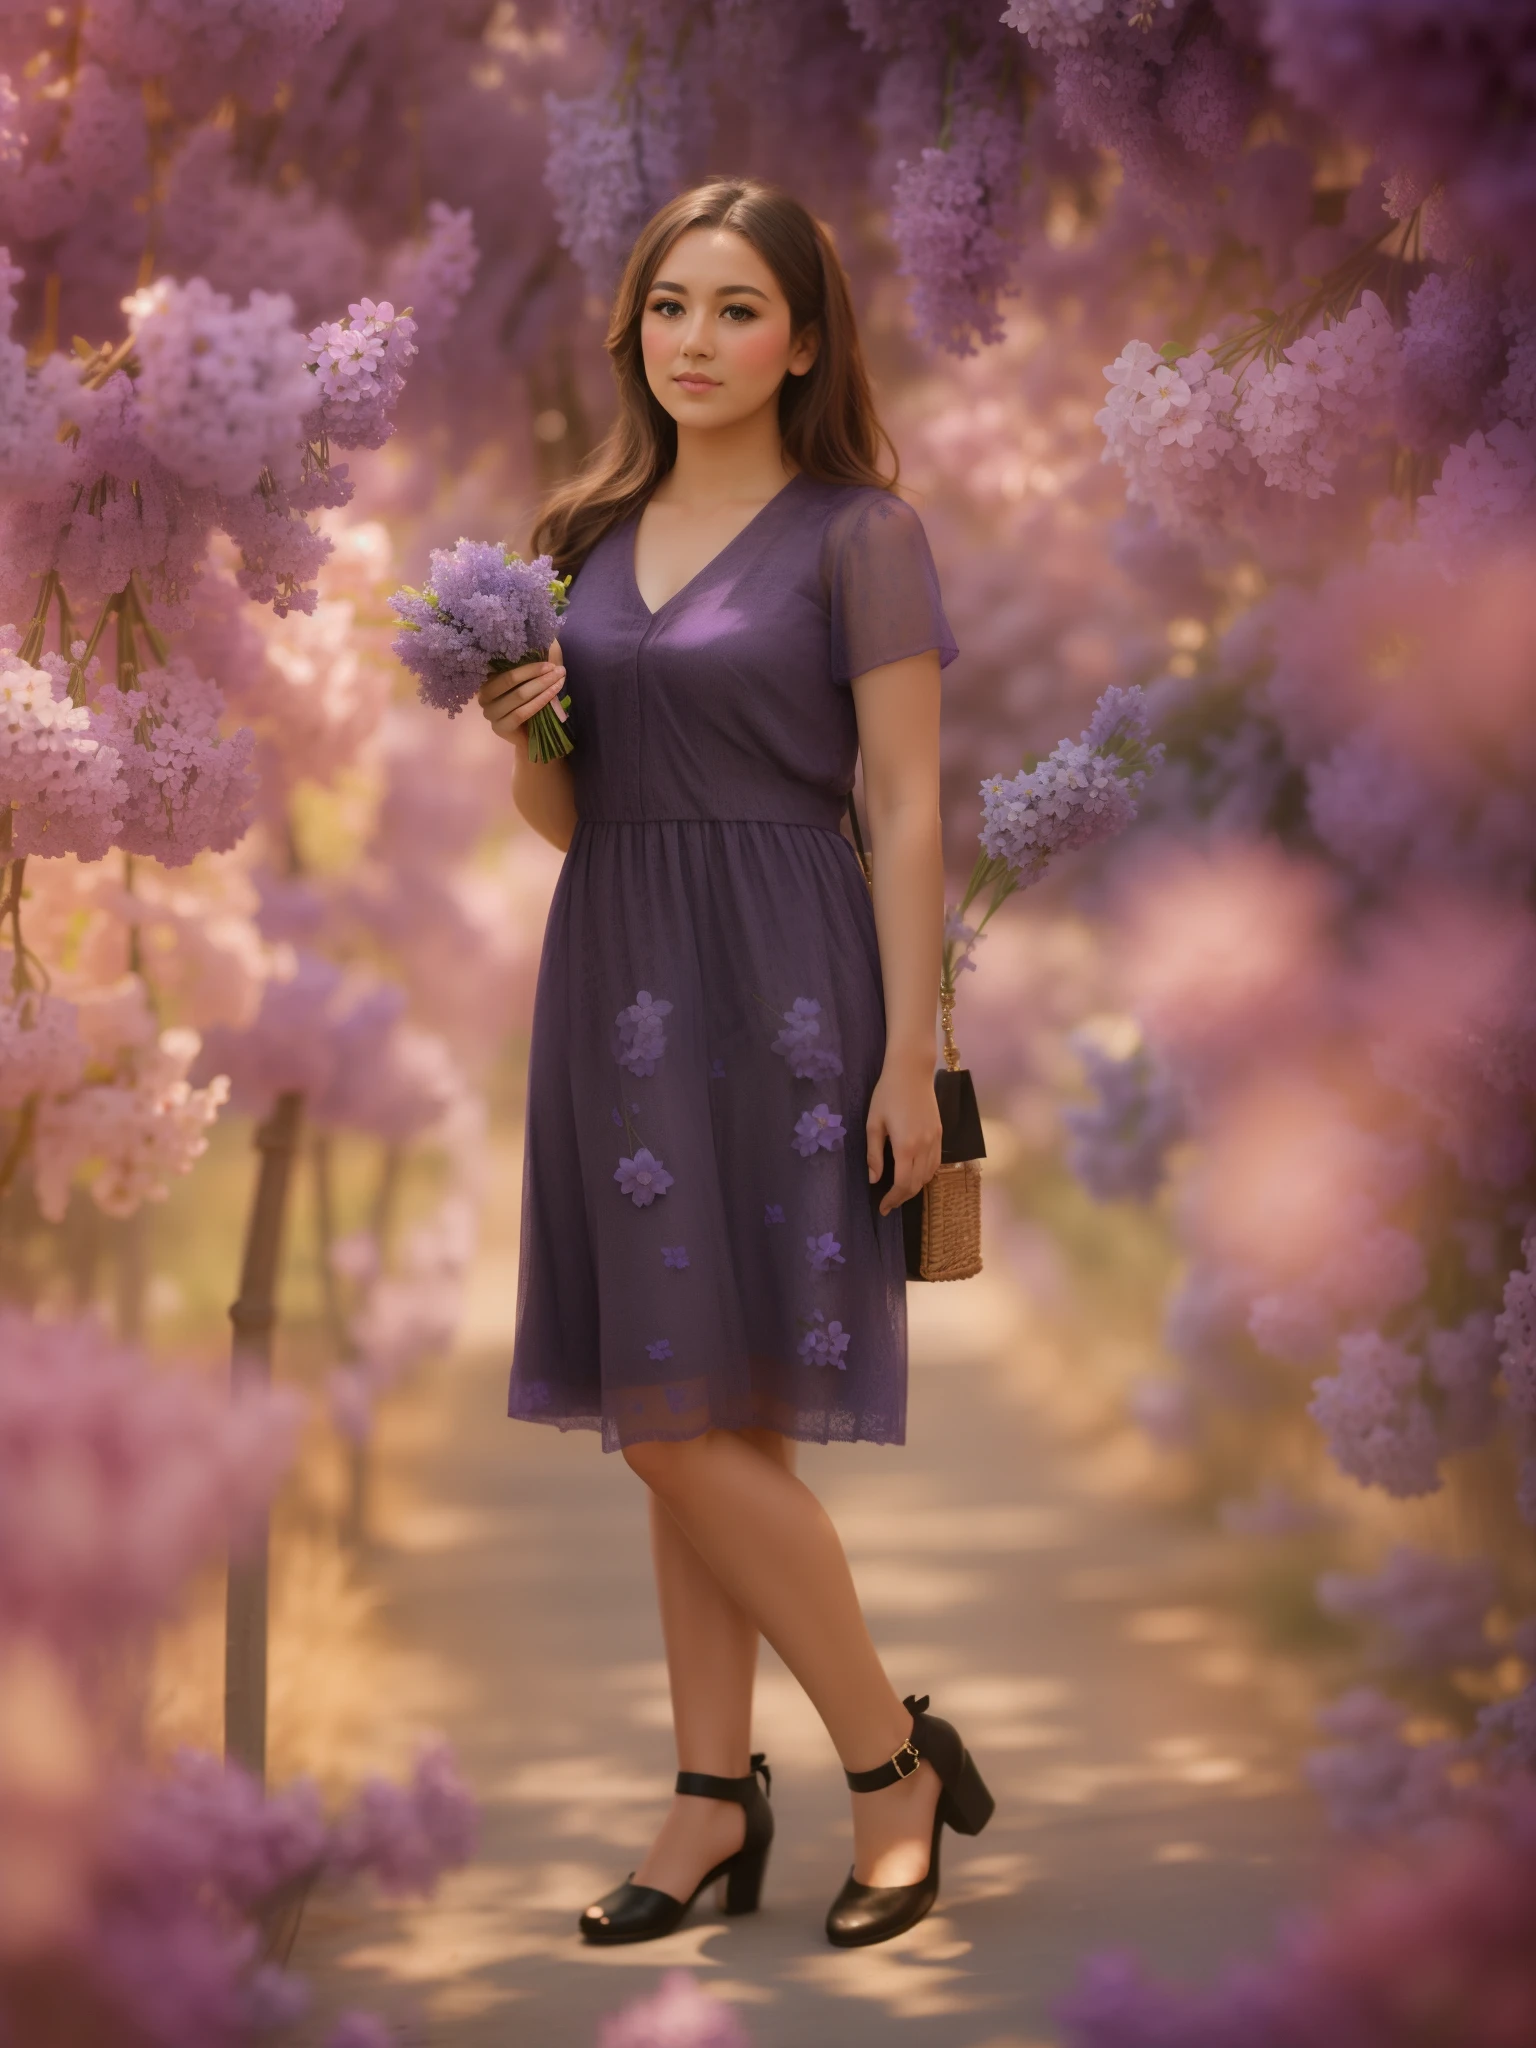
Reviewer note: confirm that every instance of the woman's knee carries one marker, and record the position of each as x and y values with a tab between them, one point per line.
660	1465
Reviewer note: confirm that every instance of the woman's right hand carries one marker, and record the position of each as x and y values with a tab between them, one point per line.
510	700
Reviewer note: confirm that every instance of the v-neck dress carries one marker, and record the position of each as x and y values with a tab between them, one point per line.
699	1248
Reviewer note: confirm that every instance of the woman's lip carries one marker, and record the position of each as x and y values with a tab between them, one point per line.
698	383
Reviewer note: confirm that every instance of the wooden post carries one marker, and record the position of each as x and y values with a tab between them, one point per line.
253	1315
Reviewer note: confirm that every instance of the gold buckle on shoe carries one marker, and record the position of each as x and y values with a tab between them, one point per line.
904	1761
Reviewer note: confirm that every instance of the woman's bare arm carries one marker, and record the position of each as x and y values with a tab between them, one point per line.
542	791
898	714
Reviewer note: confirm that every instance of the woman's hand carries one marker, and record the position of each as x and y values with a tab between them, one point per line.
510	700
904	1109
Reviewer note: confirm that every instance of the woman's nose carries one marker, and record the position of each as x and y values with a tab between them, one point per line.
696	336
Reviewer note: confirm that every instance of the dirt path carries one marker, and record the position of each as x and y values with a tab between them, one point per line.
1143	1757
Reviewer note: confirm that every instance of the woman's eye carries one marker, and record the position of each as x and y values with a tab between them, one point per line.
667	306
746	313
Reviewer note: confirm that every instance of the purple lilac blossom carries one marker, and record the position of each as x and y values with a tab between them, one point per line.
675	1257
642	1038
954	214
1206	100
1486	488
1118	1146
1431	1610
824	1252
797	1043
613	159
1372	1780
409	1835
642	1178
658	1349
818	1130
1081	794
481	608
358	365
189	788
1463	1364
433	276
221	391
1450	351
773	1212
1429	85
1378	1427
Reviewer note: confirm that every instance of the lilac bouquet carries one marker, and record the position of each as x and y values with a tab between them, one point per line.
482	611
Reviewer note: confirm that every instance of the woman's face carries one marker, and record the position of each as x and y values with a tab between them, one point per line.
715	332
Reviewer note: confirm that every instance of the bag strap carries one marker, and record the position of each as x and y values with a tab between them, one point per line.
946	995
858	841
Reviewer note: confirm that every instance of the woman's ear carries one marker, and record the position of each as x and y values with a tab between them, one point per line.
804	352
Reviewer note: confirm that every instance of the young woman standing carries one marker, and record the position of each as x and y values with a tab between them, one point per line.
731	1079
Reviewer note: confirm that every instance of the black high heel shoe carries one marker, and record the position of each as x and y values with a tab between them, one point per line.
862	1914
639	1912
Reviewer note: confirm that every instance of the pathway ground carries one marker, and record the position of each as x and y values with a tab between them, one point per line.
1143	1753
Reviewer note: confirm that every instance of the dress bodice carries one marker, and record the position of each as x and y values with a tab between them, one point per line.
731	700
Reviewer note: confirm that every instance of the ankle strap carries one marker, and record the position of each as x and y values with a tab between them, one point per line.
700	1785
902	1762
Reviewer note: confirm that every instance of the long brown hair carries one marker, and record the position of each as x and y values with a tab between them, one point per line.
826	417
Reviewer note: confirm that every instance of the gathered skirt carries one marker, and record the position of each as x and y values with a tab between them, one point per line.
699	1249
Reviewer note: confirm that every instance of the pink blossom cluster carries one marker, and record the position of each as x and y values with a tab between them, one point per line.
1169	425
63	778
1441	1943
116	1482
129	1136
1328	391
129	1897
679	2013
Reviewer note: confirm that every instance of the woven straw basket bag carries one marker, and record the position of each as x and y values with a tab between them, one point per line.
941	1226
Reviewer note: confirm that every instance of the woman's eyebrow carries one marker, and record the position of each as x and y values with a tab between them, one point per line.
724	291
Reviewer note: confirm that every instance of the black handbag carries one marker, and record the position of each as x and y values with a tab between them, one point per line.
941	1224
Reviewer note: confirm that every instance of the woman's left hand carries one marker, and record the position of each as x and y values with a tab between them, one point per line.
904	1109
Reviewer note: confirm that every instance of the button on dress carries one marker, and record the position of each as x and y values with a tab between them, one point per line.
699	1249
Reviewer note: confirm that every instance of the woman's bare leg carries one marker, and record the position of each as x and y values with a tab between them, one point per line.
771	1549
711	1665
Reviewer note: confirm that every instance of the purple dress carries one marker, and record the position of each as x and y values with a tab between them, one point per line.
699	1248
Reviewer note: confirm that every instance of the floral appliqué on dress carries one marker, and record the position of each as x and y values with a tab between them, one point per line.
643	1177
800	1043
641	1037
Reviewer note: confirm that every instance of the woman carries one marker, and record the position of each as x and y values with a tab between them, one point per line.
711	1262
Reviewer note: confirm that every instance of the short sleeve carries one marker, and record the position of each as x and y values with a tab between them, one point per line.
884	588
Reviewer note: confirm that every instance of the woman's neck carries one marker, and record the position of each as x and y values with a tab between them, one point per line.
740	464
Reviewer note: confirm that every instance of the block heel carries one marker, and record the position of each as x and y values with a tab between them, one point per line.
744	1881
863	1914
967	1805
639	1912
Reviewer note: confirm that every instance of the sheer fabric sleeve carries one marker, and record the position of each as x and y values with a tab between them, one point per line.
884	588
